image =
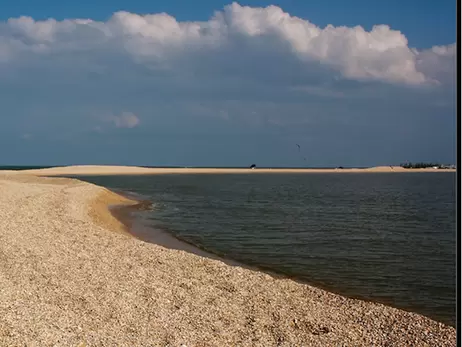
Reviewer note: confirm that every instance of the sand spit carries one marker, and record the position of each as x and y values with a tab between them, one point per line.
135	170
69	278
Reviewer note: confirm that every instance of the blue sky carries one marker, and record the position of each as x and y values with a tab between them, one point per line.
213	83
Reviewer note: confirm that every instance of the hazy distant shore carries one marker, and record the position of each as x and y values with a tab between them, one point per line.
135	170
69	275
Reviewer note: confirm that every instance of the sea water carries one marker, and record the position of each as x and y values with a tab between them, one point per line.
386	237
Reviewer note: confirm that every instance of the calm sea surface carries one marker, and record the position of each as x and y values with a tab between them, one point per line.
383	237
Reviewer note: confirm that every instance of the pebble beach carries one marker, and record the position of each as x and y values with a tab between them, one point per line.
71	275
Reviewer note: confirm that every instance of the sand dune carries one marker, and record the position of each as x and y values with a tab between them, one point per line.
135	170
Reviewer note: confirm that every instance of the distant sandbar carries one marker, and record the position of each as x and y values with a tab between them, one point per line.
136	170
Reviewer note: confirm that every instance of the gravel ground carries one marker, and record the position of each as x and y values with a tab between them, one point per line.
70	276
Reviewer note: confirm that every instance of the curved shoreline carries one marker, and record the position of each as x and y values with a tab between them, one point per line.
123	214
138	229
68	278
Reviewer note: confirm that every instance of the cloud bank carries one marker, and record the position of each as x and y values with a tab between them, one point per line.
161	42
354	95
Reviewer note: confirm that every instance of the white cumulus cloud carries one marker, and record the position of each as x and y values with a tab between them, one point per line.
124	120
234	39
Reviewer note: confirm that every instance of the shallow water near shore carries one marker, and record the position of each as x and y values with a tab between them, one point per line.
383	237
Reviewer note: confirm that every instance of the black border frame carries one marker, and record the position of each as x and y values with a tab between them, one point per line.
458	162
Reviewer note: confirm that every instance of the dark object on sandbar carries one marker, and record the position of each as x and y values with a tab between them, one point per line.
340	167
253	166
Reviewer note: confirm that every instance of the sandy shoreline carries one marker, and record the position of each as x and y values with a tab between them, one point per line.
134	170
71	276
137	228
